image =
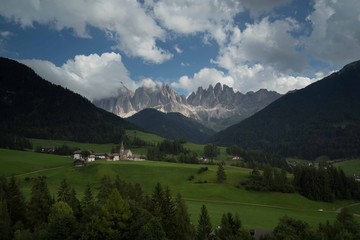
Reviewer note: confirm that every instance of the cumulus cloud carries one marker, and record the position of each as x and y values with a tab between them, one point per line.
127	22
245	78
253	78
191	17
336	34
203	78
93	76
265	42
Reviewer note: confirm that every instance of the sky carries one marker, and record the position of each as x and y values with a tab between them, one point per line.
93	47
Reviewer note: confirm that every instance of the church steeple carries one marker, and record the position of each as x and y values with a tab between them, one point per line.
122	149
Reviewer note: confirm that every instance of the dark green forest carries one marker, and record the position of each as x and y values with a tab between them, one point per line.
120	210
321	119
34	108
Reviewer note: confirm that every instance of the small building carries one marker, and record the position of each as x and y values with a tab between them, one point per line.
113	157
91	158
101	156
79	163
77	154
48	149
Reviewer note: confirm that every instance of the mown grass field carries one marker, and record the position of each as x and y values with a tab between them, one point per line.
256	209
350	167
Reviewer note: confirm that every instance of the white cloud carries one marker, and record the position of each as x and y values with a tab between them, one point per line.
203	78
245	78
268	43
191	17
93	76
177	49
252	78
135	31
336	34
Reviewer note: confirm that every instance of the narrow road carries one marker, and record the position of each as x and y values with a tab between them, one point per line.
40	170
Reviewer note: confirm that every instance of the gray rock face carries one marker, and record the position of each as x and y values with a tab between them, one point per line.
217	107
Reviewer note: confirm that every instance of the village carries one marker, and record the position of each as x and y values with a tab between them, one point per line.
81	159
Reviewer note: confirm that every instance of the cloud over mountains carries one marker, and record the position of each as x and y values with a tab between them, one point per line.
277	44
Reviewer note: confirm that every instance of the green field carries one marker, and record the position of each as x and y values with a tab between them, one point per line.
256	209
350	167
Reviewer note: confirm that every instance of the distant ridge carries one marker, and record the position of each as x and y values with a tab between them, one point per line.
321	119
33	107
171	125
216	107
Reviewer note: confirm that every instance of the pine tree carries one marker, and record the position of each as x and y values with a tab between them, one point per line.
5	221
62	222
157	199
16	202
168	213
68	194
220	174
87	204
115	216
40	202
204	225
184	227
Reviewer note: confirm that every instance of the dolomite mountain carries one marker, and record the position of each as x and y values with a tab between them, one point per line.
216	107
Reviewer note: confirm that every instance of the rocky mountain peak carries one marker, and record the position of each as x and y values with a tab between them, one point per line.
216	103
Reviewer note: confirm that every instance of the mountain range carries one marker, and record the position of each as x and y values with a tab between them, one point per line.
320	119
216	107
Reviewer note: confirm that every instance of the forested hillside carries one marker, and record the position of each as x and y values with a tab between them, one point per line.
32	107
321	119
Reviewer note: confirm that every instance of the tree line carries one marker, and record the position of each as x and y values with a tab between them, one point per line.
252	158
325	183
119	210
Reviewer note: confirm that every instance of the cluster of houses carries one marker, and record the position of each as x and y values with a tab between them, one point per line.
124	154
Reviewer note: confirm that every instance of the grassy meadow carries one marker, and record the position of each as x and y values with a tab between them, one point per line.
256	209
350	167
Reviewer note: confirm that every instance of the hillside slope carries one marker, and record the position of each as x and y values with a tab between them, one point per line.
33	107
171	125
321	119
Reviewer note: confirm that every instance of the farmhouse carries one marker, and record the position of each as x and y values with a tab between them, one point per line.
77	154
91	158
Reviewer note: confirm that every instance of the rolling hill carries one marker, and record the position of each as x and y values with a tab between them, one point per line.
171	125
33	107
321	119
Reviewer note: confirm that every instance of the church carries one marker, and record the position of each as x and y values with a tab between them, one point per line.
125	154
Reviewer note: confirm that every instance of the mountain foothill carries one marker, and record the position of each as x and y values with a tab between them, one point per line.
320	119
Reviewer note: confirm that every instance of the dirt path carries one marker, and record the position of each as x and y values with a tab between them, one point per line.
247	204
41	170
350	205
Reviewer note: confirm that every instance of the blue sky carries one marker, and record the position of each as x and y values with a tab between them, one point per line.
92	46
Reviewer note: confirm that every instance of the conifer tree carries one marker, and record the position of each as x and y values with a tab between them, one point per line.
168	215
220	174
115	216
16	202
40	202
5	221
157	200
87	204
68	194
62	222
184	228
204	225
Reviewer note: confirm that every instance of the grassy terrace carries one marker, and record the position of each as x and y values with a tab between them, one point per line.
256	209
